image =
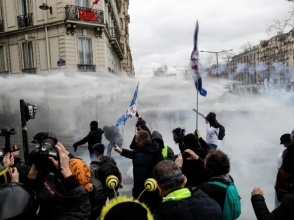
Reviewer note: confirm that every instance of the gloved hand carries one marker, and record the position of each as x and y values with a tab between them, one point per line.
137	115
197	133
75	148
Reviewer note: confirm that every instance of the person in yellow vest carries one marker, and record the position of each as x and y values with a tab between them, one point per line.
167	152
217	107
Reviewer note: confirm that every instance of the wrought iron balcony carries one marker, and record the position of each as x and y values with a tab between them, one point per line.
30	70
1	25
73	12
114	37
25	20
86	68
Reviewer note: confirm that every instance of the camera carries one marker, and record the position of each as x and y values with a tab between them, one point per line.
30	111
6	132
41	154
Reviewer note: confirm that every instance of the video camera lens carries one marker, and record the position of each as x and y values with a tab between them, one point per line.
44	151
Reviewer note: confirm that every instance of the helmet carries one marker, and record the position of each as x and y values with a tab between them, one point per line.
18	201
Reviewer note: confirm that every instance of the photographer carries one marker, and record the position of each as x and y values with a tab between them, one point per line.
73	205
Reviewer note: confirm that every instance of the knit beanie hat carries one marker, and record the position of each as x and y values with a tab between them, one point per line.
82	172
124	208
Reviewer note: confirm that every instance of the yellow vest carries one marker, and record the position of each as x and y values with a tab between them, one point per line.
164	151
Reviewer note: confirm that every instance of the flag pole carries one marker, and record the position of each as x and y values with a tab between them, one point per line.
197	109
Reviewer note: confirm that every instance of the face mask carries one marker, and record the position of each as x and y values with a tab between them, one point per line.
176	140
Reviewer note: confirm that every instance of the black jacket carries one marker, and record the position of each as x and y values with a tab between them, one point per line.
97	198
77	206
92	138
283	211
197	207
144	160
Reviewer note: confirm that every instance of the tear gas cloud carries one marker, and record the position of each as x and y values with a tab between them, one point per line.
67	104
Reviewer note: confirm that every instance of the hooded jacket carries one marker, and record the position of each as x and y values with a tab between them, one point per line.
94	137
112	135
157	136
212	129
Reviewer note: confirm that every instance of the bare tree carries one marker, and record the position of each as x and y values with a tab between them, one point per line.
209	65
160	71
246	47
280	26
228	55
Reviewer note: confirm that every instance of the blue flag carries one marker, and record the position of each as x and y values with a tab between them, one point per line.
194	63
131	110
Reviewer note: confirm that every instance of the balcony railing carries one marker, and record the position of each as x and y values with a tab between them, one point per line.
73	12
25	20
114	33
30	70
86	68
1	26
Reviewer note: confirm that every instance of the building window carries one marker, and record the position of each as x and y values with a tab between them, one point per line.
85	50
82	3
24	7
2	60
28	55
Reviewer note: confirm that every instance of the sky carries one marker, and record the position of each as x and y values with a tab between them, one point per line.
161	32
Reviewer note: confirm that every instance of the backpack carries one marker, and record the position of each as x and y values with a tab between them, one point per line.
282	185
105	168
221	133
232	205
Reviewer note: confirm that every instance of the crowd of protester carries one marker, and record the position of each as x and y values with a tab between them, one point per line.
195	184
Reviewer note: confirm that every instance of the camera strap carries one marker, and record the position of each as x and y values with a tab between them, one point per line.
50	189
54	193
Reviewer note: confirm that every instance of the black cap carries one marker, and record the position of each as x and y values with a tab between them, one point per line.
285	138
38	138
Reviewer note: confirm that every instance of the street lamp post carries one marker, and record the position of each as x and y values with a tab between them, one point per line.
216	54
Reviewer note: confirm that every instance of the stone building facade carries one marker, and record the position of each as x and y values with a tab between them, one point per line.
40	36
